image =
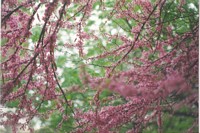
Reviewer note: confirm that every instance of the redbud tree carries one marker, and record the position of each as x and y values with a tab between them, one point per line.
103	66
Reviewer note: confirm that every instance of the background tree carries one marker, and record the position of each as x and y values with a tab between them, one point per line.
100	66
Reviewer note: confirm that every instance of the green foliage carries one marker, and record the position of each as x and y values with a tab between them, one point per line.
45	130
60	61
35	33
70	76
13	104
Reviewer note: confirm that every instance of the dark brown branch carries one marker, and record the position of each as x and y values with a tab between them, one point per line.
3	20
133	44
